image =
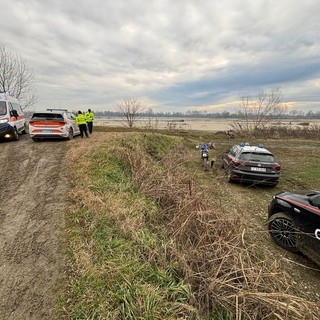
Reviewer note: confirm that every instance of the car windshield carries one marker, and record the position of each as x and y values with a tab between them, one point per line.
255	156
3	108
55	116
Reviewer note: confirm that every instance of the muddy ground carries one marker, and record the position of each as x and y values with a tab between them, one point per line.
32	188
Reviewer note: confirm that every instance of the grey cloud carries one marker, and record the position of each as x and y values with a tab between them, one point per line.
177	53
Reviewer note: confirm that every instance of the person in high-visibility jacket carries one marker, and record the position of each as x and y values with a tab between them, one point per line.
82	124
89	117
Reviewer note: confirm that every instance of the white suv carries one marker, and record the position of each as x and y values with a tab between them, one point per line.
53	123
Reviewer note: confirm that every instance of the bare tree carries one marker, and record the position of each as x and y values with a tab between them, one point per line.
16	78
131	110
259	112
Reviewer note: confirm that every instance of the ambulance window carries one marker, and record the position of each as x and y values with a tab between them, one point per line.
3	108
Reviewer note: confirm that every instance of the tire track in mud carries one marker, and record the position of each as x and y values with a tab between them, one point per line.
32	188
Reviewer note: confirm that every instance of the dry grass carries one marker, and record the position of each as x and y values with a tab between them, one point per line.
222	267
310	131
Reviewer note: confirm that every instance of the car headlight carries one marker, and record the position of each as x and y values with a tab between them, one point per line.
5	120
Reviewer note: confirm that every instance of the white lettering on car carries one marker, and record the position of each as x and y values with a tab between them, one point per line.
317	234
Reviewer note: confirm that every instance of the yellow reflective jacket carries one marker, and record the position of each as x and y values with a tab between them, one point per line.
89	116
81	119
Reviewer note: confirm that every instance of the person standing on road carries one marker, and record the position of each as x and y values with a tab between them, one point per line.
89	117
82	124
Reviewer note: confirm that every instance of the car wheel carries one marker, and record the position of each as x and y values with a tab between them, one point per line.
70	136
283	231
15	134
24	131
229	175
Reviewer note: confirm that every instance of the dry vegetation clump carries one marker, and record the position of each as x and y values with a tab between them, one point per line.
223	267
309	131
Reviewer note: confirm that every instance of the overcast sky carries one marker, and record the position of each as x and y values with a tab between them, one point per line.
175	55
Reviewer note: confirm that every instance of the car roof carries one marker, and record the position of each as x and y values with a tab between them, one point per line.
254	149
52	111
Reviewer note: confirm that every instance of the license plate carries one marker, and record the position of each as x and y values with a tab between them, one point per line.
258	169
47	131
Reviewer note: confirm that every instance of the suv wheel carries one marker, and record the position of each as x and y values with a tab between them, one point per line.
229	175
283	231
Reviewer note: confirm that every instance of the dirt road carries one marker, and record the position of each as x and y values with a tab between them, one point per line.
32	187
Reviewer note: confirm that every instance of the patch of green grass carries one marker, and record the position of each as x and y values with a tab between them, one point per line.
115	274
107	172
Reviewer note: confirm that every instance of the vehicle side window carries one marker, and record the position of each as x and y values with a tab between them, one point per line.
233	150
3	108
70	116
316	201
10	106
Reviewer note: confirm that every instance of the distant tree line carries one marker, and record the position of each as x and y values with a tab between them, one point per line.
293	114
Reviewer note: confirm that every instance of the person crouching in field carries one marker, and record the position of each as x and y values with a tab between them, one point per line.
82	124
89	117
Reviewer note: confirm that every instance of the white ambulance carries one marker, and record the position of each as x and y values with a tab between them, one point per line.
12	118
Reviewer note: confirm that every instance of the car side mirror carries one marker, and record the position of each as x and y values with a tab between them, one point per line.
315	200
14	113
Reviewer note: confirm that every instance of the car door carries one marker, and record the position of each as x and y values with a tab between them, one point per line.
72	119
310	231
228	156
13	119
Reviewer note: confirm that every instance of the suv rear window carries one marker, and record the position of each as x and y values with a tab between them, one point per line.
255	156
56	116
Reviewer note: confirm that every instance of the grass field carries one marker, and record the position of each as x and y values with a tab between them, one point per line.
150	235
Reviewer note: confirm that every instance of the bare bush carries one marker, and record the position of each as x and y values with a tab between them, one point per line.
131	110
306	132
259	112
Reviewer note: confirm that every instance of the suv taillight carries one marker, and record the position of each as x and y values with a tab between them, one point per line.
238	163
276	167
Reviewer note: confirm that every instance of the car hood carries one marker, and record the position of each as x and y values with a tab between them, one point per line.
299	196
